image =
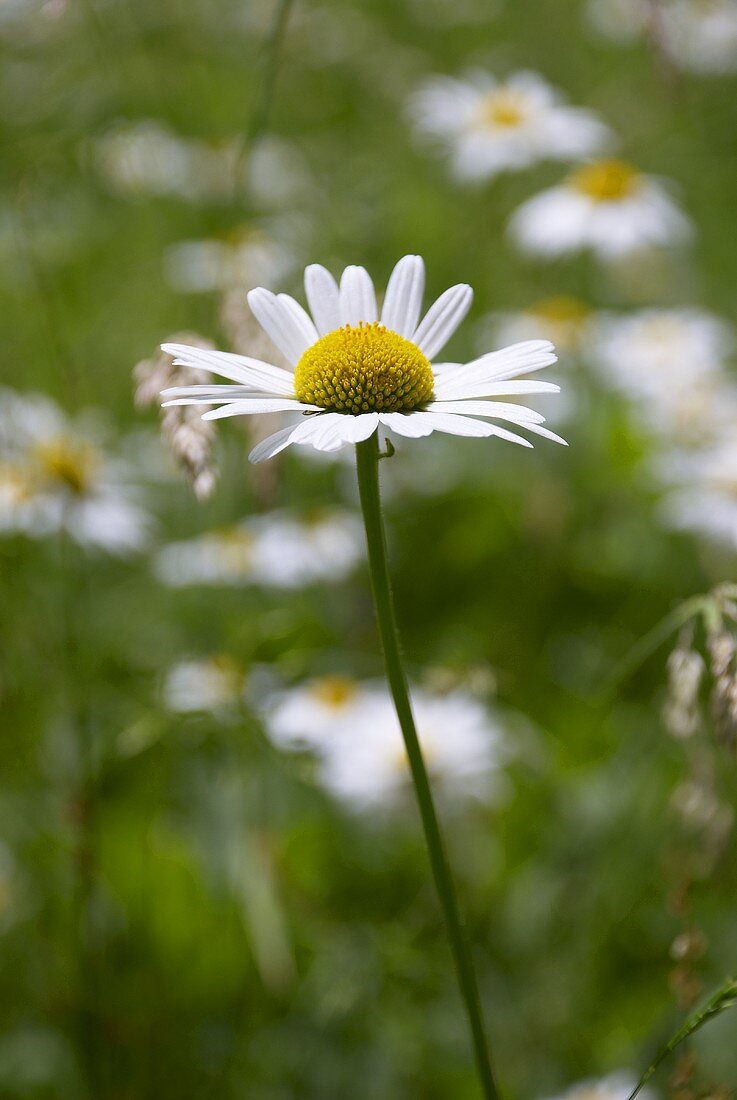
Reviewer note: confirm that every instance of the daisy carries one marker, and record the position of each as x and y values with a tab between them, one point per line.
563	319
366	765
697	35
491	126
55	476
328	707
672	363
211	684
199	266
704	497
607	206
278	551
353	367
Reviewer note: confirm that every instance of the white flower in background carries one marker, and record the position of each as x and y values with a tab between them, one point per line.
699	35
278	550
492	126
356	369
671	363
147	158
564	320
353	729
704	499
366	764
55	476
607	206
311	715
246	256
209	684
618	1086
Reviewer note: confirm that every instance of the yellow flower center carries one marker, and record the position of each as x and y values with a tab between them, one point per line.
69	461
334	691
606	180
502	109
364	368
561	310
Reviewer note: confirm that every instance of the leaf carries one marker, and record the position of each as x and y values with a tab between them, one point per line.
724	998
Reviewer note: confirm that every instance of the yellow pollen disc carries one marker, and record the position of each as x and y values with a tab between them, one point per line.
606	180
364	368
502	109
334	691
68	461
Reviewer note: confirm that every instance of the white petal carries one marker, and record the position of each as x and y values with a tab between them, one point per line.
301	318
204	395
357	297
500	410
257	405
466	425
414	425
546	433
240	368
279	322
403	299
442	319
323	298
518	359
271	446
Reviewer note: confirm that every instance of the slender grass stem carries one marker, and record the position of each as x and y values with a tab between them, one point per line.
367	459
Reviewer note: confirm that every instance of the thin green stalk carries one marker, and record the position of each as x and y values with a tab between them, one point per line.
367	459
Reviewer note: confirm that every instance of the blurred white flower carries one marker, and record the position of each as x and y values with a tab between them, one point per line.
209	684
278	550
617	1086
366	765
353	729
704	494
491	126
147	158
55	476
246	257
701	35
607	206
353	372
311	715
698	35
671	363
564	320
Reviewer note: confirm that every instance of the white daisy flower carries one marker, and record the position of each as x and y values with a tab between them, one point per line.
492	126
563	319
705	499
607	206
210	684
356	367
55	477
329	707
246	256
701	35
276	551
672	364
697	35
617	1086
365	765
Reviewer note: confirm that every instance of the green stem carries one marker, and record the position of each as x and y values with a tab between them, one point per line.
367	459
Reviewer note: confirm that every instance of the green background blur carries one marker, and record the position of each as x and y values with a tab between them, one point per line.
182	912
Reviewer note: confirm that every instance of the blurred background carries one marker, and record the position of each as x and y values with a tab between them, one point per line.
199	895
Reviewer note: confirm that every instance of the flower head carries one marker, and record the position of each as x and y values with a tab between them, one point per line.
607	206
56	476
490	127
353	368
